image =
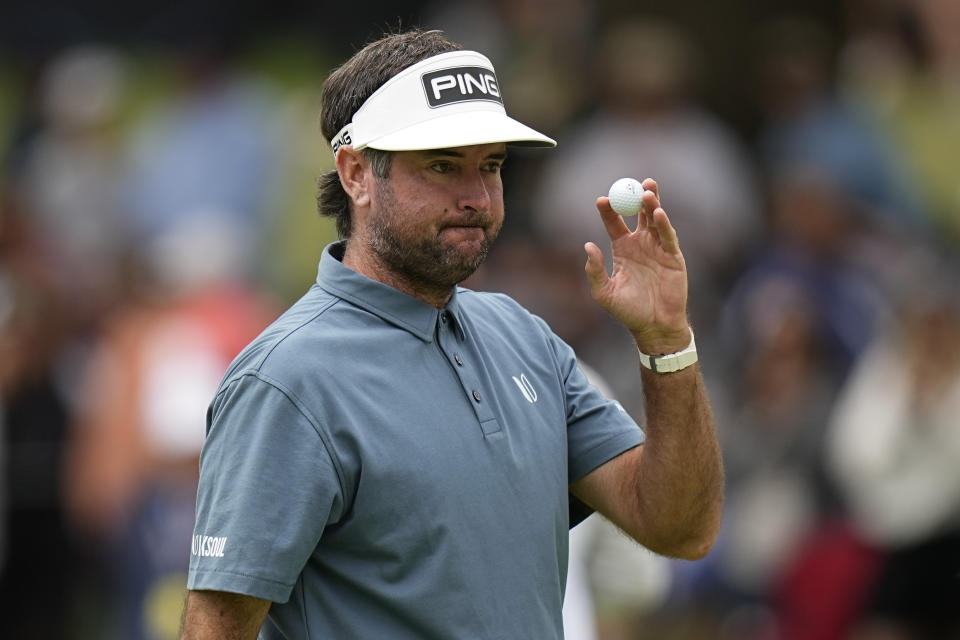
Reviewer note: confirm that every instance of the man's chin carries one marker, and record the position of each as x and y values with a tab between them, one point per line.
454	274
459	263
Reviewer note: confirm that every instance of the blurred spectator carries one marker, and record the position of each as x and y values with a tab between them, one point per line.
816	241
133	461
894	449
772	442
647	125
38	555
905	66
808	125
66	173
208	151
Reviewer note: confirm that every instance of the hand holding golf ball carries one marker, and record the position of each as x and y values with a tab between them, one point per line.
646	289
626	196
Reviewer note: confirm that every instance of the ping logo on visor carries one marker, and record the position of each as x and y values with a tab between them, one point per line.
460	84
341	139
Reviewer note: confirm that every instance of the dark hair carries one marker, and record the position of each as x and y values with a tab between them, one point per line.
349	86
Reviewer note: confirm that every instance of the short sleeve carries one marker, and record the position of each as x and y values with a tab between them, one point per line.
598	427
268	487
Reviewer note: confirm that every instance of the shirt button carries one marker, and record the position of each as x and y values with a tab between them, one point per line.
476	395
458	359
443	318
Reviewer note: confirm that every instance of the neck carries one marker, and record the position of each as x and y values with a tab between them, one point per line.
367	264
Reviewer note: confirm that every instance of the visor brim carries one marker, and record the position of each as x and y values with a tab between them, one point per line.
462	130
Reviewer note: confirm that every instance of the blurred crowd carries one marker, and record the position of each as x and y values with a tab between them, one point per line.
157	210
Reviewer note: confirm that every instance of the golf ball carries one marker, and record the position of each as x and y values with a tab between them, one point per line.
625	196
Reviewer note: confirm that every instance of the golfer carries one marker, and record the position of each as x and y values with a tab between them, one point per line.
396	456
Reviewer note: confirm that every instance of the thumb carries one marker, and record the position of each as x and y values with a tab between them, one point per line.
596	270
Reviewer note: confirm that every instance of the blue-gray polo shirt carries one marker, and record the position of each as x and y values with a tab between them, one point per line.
379	468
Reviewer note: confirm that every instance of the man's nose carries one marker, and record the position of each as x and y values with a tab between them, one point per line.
474	193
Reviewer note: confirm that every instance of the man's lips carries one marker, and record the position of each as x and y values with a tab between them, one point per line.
464	232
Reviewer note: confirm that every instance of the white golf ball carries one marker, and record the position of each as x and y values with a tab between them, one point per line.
626	195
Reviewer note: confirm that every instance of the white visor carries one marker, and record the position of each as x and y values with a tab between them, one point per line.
450	100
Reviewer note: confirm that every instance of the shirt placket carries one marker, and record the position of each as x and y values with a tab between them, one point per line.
452	341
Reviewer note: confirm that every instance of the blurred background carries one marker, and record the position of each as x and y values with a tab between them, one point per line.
157	210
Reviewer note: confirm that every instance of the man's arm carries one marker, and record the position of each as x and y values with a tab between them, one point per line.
667	493
218	615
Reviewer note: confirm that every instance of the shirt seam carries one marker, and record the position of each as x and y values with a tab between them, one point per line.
241	574
594	448
300	406
289	333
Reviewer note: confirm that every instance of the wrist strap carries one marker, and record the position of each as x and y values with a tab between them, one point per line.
673	361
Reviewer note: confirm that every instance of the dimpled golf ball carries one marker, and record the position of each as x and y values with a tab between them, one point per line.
625	196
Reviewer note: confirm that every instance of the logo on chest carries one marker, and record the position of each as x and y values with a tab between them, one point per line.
523	383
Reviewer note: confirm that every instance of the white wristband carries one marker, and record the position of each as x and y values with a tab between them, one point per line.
673	361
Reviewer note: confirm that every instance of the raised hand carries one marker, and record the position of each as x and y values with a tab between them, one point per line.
647	289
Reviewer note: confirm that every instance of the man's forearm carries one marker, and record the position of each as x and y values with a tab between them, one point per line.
217	615
680	482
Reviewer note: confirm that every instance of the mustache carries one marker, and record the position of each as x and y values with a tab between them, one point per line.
468	219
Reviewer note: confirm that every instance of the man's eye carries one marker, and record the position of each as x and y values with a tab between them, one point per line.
440	167
493	167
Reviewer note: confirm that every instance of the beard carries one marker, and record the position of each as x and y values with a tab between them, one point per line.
416	253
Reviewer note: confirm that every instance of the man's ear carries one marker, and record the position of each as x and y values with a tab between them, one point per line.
352	167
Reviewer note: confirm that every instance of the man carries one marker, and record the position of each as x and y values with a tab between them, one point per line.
392	458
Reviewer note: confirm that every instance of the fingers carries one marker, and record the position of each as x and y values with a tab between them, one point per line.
595	268
649	184
650	200
613	221
656	220
665	231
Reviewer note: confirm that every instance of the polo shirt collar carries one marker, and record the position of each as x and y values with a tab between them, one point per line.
392	305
